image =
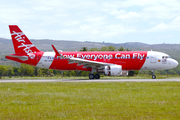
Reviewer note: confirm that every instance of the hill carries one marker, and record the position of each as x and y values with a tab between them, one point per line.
66	45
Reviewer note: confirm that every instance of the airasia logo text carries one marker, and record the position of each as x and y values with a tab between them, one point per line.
27	47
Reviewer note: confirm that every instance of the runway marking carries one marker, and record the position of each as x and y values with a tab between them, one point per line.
87	80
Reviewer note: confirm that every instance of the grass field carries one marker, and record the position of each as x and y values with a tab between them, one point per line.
60	100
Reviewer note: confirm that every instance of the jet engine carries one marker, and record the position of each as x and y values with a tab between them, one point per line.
113	70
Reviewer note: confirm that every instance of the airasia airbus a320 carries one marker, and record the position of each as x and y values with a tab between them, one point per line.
116	63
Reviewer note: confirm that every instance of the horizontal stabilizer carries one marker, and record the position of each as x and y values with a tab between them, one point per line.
23	58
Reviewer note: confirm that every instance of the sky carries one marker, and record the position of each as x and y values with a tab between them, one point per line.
115	21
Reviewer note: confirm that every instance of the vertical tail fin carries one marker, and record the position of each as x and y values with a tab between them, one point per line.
22	45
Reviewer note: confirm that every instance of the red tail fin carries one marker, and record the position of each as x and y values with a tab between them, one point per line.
22	45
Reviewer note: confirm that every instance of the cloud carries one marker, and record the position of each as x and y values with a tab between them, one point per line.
122	14
176	23
173	25
43	8
90	20
159	27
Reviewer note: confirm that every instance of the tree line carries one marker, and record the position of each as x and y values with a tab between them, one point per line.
28	70
106	48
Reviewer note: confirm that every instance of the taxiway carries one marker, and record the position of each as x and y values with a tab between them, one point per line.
87	80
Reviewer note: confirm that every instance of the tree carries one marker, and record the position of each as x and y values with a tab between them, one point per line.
172	72
46	72
111	48
127	49
50	72
27	70
84	49
94	49
121	49
3	70
85	73
36	71
103	49
16	71
10	71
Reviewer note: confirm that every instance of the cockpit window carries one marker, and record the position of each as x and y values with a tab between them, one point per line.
165	57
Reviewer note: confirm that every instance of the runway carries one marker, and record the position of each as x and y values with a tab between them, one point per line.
87	80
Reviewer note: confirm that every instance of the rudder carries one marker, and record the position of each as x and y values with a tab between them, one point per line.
22	45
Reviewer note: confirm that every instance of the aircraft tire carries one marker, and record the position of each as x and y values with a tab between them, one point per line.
153	77
97	76
91	76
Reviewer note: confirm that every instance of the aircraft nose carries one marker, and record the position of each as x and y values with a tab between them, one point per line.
175	63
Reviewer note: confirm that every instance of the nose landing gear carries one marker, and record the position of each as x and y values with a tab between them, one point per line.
153	76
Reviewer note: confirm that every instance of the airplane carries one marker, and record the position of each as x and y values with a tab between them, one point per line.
111	63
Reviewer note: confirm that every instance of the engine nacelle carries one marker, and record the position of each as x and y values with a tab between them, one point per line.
113	70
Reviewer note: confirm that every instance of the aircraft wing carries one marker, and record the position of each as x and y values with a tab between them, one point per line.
86	63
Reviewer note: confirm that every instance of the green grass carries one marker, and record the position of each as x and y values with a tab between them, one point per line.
61	100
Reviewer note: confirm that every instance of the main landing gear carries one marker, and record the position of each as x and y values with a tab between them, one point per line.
92	76
153	76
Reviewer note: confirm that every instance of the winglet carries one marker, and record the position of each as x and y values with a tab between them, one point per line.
57	53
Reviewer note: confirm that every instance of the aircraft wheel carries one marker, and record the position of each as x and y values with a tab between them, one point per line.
153	77
91	76
97	76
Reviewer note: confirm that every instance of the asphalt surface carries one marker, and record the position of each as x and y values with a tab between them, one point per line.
87	80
